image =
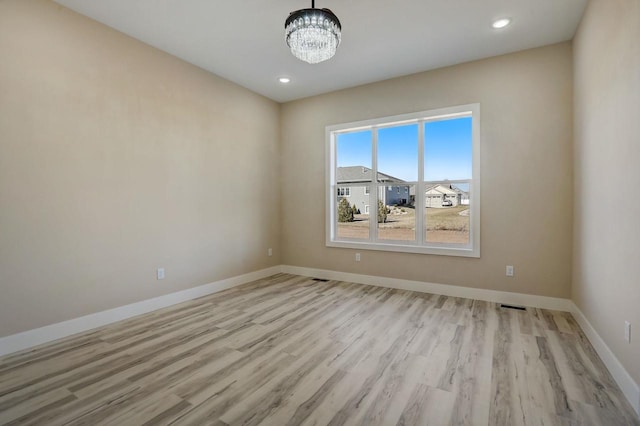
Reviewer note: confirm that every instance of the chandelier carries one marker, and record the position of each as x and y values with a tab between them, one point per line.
313	35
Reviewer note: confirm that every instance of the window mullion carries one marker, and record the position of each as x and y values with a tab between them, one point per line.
420	189
373	206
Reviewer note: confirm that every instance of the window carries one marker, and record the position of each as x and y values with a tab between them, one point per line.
344	192
420	173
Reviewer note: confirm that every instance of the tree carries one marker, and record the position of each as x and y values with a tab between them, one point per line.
345	213
355	209
382	212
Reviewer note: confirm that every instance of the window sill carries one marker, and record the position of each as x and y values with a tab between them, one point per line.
407	248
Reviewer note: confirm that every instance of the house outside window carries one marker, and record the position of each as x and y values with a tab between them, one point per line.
421	174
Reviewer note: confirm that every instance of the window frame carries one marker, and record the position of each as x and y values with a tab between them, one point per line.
420	245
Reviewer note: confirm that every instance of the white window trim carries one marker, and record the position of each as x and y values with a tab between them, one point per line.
471	250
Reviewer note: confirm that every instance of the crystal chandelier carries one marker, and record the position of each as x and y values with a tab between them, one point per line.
313	35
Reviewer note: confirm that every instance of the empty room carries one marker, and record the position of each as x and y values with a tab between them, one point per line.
330	212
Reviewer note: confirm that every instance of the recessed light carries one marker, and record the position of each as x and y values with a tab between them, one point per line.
501	23
284	80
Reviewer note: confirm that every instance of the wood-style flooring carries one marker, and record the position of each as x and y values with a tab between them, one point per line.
288	350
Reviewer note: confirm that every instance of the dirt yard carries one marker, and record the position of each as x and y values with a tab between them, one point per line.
446	225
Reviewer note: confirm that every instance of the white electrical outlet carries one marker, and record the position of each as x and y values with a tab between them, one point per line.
509	270
270	252
357	257
160	273
627	331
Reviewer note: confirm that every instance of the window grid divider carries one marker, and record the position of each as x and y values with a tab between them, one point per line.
373	217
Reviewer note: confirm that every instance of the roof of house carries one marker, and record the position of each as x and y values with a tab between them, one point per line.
441	188
361	174
458	190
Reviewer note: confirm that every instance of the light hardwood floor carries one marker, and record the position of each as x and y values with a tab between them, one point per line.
288	350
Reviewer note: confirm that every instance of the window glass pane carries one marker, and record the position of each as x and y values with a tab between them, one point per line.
398	153
447	149
447	213
353	157
396	213
352	212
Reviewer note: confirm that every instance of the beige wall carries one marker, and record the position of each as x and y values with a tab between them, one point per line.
526	109
116	159
606	281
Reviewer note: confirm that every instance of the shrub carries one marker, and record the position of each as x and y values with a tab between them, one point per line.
382	212
355	209
345	212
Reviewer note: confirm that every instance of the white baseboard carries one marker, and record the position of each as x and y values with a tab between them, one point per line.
544	302
629	387
49	333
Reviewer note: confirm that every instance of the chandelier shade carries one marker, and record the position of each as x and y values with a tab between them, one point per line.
313	35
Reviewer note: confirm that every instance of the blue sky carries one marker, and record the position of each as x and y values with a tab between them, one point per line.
447	150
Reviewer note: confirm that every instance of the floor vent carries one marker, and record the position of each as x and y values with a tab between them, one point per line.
518	308
321	280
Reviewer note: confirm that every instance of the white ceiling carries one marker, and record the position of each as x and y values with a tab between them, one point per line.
243	40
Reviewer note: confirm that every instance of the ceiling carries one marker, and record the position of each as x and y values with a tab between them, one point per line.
243	40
